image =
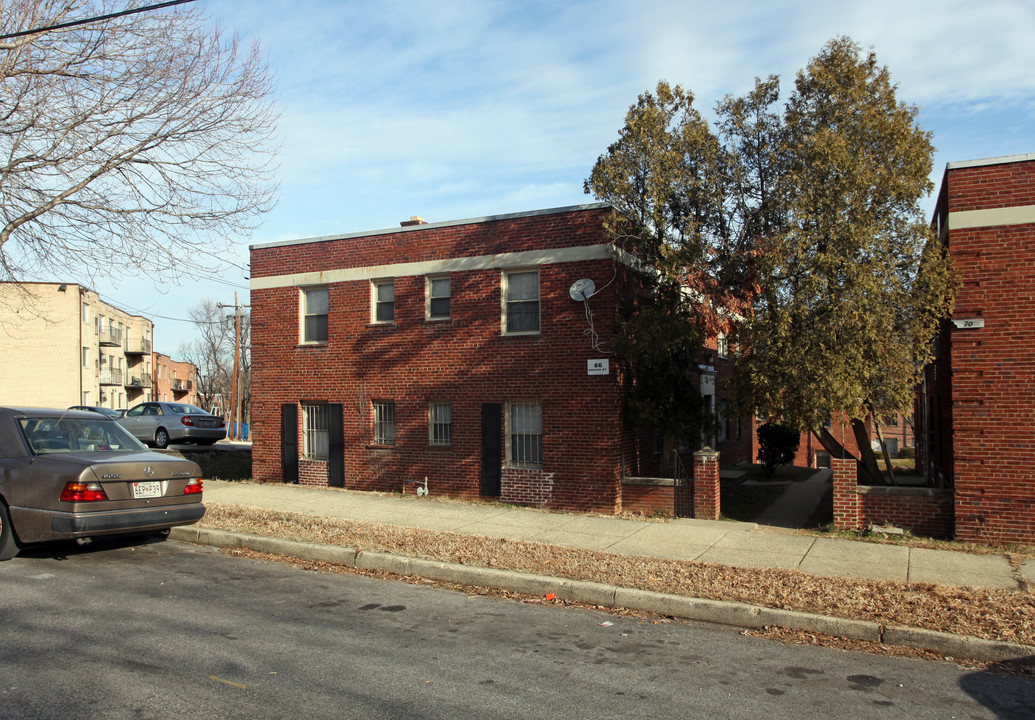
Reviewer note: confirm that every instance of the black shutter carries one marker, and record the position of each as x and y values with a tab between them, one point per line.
336	445
492	449
289	442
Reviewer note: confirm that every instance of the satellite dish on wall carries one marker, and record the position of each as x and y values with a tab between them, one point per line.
582	290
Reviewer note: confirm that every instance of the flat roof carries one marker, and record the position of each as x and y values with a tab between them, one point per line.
429	226
991	161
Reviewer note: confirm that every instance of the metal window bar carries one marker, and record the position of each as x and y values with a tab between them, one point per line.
315	436
526	435
384	423
441	423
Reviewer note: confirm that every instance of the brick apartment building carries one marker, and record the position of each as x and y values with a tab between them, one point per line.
62	345
463	352
175	381
976	408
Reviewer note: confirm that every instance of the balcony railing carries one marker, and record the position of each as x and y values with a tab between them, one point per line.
138	346
179	386
111	377
138	381
109	336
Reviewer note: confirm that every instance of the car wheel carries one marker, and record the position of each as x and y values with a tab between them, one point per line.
8	542
161	438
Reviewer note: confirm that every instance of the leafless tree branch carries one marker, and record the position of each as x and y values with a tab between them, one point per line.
142	144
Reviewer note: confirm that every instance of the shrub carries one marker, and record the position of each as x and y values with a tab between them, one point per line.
776	446
906	453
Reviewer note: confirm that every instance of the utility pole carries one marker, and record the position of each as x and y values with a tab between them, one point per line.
236	426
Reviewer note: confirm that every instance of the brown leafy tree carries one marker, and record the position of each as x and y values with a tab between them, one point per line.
669	179
141	144
799	228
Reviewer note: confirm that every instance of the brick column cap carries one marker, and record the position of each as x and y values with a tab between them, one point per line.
706	452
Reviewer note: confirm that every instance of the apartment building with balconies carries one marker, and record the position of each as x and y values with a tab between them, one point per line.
61	345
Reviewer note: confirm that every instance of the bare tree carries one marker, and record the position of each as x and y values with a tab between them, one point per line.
212	351
141	144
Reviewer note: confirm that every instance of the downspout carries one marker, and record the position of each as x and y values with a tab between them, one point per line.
79	312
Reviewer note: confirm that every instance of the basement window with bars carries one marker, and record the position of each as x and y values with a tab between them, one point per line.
440	423
315	431
525	434
384	422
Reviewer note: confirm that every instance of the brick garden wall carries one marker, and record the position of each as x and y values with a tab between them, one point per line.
922	511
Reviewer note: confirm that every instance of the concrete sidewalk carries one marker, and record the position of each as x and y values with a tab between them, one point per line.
718	542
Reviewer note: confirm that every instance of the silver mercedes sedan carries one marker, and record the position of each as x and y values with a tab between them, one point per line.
69	474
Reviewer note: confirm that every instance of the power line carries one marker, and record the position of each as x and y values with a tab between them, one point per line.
99	18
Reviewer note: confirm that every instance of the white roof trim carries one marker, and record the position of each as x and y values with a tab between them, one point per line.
991	161
429	226
524	258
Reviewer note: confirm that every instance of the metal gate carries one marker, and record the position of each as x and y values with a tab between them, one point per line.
682	488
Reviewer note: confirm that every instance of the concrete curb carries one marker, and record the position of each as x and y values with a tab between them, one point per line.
713	611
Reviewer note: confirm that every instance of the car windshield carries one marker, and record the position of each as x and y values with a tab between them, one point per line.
180	409
74	434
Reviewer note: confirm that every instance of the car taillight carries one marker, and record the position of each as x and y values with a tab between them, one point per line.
193	487
222	422
83	492
186	420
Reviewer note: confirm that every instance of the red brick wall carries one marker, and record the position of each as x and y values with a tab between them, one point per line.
922	511
648	499
465	360
993	368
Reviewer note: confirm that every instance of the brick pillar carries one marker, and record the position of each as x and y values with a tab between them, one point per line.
706	484
846	498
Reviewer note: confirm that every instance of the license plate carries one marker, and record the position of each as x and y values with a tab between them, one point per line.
151	489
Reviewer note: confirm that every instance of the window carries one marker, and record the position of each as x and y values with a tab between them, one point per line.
440	423
525	434
86	357
86	313
521	295
438	298
384	422
722	345
314	315
315	427
384	301
890	420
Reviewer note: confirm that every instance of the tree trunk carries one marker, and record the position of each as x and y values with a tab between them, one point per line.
884	450
867	460
866	456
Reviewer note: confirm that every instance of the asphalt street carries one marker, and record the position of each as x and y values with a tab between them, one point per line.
171	630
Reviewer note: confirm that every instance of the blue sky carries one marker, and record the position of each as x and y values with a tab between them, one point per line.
453	109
